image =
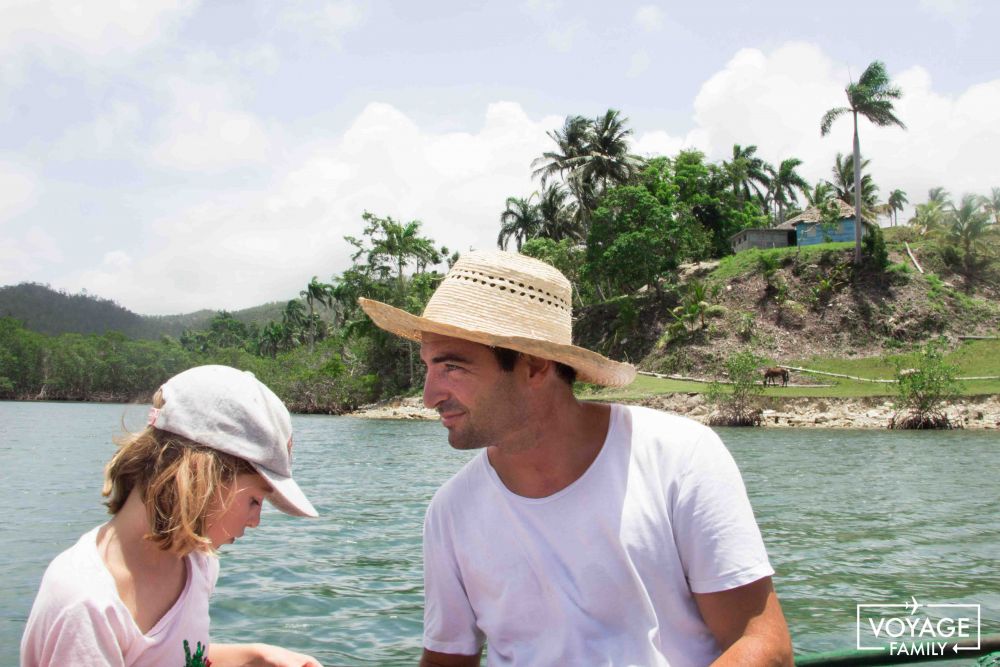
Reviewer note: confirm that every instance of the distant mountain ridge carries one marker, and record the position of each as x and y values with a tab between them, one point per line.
53	312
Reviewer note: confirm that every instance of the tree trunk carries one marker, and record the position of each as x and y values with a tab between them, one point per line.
857	193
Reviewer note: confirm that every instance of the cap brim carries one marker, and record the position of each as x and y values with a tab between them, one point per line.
287	496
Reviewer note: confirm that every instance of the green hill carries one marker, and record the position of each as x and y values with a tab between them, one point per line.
52	312
800	307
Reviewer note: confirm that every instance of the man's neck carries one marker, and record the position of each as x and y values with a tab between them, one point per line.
558	444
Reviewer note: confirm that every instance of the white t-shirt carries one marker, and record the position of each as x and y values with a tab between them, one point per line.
78	618
600	573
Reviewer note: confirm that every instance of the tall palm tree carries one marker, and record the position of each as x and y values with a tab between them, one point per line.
571	143
607	161
897	200
293	320
555	214
746	172
784	183
591	157
316	292
872	98
520	220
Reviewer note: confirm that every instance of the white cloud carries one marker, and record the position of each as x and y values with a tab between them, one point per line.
638	64
658	142
18	190
540	7
243	248
205	130
776	100
26	254
649	18
329	20
92	29
950	8
561	39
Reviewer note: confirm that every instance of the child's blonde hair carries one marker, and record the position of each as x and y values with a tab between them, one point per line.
177	480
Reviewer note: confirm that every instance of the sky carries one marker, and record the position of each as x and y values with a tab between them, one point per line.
175	155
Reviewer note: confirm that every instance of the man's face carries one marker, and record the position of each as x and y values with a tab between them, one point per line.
479	402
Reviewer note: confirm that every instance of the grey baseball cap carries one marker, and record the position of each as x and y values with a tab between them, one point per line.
234	412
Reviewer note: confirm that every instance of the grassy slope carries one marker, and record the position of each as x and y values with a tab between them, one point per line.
972	358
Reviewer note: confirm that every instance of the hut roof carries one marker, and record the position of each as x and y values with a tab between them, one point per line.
813	214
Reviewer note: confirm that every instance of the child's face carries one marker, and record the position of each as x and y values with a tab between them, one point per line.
237	508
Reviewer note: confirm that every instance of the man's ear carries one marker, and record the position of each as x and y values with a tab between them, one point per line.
537	369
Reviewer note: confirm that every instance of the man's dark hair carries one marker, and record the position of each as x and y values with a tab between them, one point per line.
507	358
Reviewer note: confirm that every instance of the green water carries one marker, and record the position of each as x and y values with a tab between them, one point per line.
849	517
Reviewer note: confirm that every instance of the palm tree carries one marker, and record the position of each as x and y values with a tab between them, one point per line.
969	227
928	217
821	193
571	143
315	292
897	200
746	171
871	97
843	181
556	214
938	195
784	183
270	339
993	204
607	161
293	320
520	220
591	157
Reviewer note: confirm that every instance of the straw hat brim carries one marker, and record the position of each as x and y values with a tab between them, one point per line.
589	366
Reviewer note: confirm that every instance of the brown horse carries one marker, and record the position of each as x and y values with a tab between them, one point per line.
772	374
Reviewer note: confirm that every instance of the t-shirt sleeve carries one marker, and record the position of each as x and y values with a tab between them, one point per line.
717	535
79	634
449	620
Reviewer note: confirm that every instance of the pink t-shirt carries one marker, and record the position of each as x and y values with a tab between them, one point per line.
78	618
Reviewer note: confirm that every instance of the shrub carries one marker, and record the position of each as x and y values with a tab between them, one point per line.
745	325
738	406
873	249
925	389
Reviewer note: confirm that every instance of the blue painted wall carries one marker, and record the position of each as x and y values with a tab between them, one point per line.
811	233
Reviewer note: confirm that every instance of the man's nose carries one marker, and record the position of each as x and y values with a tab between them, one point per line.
432	392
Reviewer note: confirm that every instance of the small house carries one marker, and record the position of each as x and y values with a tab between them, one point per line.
810	229
761	238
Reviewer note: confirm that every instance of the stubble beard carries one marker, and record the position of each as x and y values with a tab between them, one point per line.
495	417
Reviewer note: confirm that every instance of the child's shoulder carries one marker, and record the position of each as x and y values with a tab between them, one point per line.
78	575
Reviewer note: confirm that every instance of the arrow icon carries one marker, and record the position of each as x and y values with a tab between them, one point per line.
914	606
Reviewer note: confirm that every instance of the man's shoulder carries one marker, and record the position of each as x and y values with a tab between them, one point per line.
462	487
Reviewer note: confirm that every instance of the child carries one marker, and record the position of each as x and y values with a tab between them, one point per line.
135	590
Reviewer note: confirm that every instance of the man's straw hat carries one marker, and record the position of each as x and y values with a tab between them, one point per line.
503	299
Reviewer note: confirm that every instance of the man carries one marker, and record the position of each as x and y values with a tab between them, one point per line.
584	533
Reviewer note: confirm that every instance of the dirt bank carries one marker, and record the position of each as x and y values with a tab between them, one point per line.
975	412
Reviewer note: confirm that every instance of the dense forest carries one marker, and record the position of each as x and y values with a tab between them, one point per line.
619	226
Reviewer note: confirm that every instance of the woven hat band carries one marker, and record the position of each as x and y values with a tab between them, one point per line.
505	305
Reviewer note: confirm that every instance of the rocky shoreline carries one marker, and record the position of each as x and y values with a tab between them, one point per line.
980	412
